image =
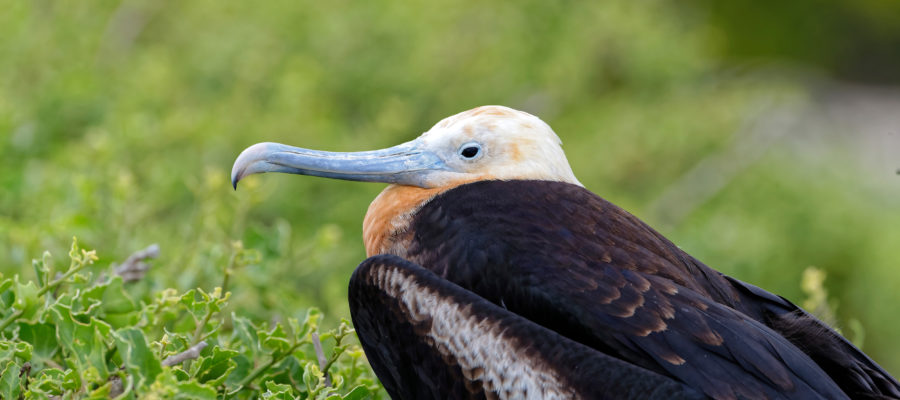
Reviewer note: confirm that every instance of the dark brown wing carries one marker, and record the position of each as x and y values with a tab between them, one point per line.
853	370
429	338
566	259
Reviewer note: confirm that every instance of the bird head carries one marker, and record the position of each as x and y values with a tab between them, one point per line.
490	142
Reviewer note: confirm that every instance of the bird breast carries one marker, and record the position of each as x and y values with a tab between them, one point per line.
389	216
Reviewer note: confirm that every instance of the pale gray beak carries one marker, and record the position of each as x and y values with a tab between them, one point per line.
405	164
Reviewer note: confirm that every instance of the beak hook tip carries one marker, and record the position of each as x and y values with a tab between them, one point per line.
235	178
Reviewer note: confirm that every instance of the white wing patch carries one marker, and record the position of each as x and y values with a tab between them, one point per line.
486	354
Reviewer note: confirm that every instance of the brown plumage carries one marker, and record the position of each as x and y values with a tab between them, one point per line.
494	274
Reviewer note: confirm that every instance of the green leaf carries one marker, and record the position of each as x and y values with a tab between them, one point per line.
102	392
191	390
313	378
42	269
10	381
310	323
162	309
80	278
48	380
27	298
168	386
245	332
86	342
243	366
358	393
214	369
139	361
42	336
180	374
114	303
199	303
10	350
275	340
7	296
195	300
71	380
278	391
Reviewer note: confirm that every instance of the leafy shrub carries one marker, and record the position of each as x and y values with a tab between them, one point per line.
78	334
119	122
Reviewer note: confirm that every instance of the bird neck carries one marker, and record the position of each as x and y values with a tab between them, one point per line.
391	212
389	216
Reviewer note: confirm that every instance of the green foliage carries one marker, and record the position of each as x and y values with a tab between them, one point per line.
82	336
818	303
119	123
854	40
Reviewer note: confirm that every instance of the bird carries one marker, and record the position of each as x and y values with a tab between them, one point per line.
492	272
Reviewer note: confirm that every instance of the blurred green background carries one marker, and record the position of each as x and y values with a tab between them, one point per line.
762	137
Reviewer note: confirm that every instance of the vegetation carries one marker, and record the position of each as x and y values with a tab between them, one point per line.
119	122
81	335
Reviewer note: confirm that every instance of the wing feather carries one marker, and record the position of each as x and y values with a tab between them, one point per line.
429	338
597	275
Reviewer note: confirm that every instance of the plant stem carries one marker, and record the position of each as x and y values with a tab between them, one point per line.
323	363
190	354
73	269
196	338
262	368
10	318
228	269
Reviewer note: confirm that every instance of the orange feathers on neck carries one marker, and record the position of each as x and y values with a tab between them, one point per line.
390	213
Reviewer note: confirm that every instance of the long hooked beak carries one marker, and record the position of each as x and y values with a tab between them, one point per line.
405	164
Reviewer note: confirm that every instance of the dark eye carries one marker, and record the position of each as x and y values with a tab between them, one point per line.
470	151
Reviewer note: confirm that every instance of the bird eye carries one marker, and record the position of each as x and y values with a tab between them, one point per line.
470	151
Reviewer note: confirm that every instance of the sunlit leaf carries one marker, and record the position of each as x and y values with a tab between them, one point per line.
42	269
87	341
111	295
137	358
10	380
214	369
102	392
313	377
357	393
7	295
275	340
42	337
71	380
27	299
278	391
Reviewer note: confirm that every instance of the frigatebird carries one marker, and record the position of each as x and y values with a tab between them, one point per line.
493	273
